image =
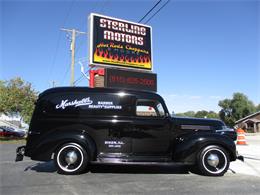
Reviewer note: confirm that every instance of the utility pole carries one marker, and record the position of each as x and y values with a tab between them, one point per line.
53	83
73	33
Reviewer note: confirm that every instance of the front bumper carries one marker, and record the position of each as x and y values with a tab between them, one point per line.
20	153
240	157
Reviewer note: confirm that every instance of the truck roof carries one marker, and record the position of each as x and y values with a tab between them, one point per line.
96	90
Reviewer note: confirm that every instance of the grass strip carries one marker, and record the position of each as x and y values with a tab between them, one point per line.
4	140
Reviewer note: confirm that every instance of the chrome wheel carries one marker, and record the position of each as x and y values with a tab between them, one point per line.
213	160
71	158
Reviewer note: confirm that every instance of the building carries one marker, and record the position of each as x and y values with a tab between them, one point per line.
15	121
250	123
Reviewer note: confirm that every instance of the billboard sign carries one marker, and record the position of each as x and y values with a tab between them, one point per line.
115	78
119	43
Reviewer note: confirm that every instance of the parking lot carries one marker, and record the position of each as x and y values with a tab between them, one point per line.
31	177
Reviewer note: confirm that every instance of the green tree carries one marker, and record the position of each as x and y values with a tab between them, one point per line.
201	114
17	97
236	108
258	108
186	114
212	114
206	114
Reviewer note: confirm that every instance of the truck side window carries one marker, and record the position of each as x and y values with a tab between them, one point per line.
149	108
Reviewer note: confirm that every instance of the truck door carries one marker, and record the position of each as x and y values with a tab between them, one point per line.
115	141
153	130
113	130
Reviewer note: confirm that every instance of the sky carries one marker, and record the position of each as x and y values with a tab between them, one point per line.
203	50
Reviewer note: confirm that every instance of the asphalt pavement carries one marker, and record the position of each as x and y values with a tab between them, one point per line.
32	177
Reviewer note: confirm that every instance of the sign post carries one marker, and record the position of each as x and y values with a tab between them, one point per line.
122	52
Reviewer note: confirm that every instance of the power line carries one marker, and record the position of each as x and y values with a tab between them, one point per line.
82	76
79	47
73	33
65	74
59	38
149	11
79	79
55	56
105	3
69	11
157	11
102	8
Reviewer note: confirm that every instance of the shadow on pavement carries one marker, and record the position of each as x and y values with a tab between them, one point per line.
140	169
47	167
251	158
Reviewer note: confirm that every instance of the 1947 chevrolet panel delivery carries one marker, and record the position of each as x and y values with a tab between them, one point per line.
78	126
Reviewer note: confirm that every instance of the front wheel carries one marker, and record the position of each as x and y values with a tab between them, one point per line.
71	159
213	161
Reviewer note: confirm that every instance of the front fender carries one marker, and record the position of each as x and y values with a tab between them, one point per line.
187	147
50	142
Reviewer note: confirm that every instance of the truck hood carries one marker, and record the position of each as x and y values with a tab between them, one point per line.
185	125
201	123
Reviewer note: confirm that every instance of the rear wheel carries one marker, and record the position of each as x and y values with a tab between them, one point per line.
213	161
71	159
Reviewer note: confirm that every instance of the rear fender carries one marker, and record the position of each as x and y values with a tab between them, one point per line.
187	147
50	143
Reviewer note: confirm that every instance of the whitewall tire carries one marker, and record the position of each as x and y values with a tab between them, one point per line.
213	161
71	158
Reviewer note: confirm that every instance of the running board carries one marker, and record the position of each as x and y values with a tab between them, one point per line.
136	163
118	157
110	161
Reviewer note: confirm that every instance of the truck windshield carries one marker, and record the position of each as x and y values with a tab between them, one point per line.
160	109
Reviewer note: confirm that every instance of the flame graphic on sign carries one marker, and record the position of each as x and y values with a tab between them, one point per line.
104	56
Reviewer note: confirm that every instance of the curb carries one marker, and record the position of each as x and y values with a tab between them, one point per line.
252	134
